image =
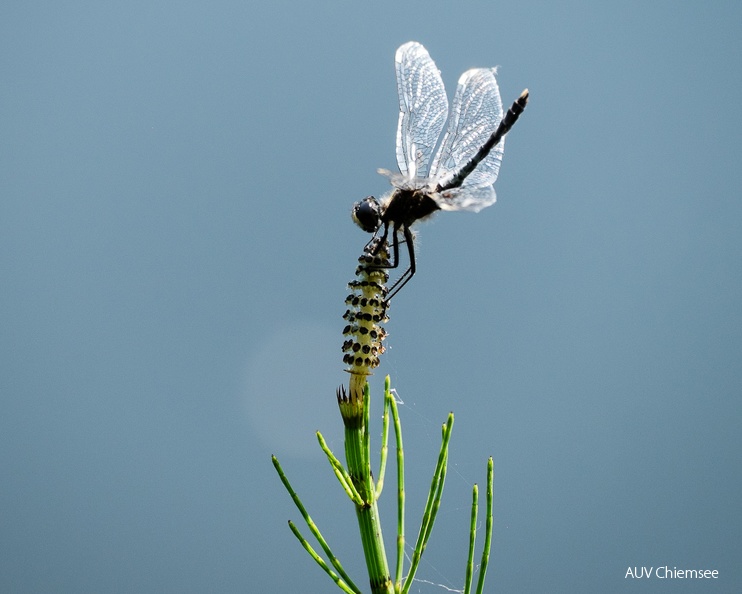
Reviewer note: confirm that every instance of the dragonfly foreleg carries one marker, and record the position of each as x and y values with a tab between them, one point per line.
410	272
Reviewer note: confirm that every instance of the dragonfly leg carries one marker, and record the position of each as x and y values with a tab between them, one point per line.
381	241
410	272
395	249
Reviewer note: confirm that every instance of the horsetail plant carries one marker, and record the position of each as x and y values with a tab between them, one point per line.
367	310
459	176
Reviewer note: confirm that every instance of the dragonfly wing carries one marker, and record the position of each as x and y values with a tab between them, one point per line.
466	198
475	115
423	108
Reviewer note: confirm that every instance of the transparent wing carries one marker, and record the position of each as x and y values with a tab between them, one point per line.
475	115
423	108
473	198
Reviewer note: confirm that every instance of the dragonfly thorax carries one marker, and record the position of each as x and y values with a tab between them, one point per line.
399	209
405	206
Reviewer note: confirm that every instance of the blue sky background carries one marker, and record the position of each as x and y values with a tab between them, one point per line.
175	241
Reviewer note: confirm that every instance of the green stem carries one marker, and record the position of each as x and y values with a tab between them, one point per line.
340	472
472	540
400	486
431	506
312	528
488	525
348	588
357	446
384	441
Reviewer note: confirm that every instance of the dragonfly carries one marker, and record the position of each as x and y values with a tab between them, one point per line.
461	173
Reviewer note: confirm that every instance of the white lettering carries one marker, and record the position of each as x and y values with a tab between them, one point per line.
679	574
638	572
664	572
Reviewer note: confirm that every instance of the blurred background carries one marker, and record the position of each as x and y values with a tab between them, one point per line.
175	242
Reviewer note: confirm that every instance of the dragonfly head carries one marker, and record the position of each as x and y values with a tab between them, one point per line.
367	214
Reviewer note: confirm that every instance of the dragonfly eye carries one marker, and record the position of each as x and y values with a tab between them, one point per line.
366	214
